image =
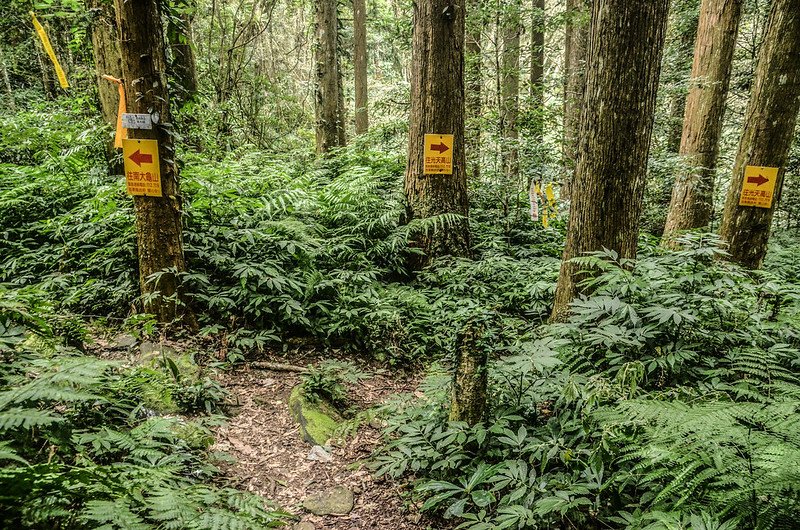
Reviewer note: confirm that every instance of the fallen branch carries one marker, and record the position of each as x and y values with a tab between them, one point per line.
278	367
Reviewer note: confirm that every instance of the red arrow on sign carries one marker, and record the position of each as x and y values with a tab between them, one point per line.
758	181
140	158
441	148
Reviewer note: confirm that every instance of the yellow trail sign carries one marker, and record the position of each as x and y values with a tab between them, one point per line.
758	186
142	169
438	154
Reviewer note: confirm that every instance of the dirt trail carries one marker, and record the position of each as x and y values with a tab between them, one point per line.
272	459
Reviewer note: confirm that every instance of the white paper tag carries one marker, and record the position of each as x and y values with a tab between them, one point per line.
137	121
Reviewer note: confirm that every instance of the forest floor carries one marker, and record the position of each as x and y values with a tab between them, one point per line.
272	459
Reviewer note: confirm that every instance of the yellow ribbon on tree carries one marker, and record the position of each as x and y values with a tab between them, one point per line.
62	78
122	132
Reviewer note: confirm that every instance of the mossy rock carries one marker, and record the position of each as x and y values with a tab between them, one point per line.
318	420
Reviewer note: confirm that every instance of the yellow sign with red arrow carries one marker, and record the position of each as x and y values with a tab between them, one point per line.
758	186
142	169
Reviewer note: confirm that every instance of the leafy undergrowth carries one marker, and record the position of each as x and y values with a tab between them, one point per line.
276	248
88	443
669	400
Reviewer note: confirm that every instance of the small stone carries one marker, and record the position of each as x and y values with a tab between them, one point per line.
319	453
304	526
334	501
123	341
150	349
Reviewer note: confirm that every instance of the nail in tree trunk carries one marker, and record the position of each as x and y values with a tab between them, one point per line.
575	55
509	103
767	136
329	102
474	83
158	219
470	381
437	107
626	44
537	70
692	202
360	65
183	66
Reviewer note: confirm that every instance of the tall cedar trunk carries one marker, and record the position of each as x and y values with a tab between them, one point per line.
470	382
474	82
769	125
107	59
575	55
360	65
183	67
693	194
509	106
537	70
626	43
158	219
437	107
676	107
329	103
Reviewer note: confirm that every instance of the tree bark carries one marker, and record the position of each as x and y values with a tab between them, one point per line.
360	65
685	44
437	107
537	69
474	84
767	136
183	67
329	96
692	202
575	55
509	102
158	219
626	44
107	59
468	401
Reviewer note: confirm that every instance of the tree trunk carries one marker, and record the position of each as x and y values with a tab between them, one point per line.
474	83
158	219
183	67
329	97
360	65
537	70
437	107
107	59
676	108
626	43
692	202
575	55
767	136
509	103
468	396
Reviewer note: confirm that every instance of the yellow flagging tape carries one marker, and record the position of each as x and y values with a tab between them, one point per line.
62	78
122	132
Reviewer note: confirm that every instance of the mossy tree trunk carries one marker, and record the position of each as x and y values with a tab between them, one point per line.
769	126
329	100
437	107
158	219
537	69
575	55
509	91
360	65
468	400
692	203
626	43
474	83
